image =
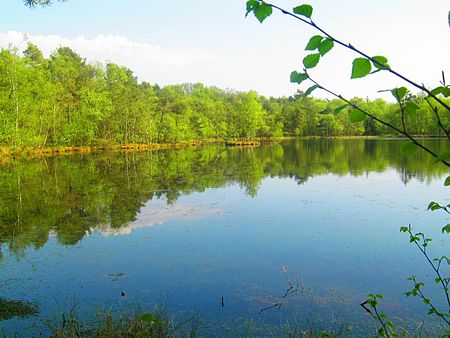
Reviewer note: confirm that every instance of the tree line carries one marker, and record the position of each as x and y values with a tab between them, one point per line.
65	101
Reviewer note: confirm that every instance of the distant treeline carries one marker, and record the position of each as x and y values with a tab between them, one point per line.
64	101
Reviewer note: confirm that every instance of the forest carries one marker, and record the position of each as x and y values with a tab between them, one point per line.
64	100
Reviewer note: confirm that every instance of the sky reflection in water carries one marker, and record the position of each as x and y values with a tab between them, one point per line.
199	224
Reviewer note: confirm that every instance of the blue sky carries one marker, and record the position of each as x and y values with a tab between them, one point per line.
208	41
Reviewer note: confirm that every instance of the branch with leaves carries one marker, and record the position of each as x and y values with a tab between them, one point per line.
35	3
387	328
362	66
422	242
323	44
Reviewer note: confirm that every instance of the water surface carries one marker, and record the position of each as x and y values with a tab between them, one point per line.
188	227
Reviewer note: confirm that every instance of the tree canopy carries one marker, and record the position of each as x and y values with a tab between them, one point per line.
64	100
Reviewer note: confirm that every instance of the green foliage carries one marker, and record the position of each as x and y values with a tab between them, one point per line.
447	181
409	148
63	101
433	206
43	3
399	93
357	115
443	156
386	327
411	108
380	62
340	108
252	5
310	90
261	10
422	242
314	42
445	91
325	46
297	77
304	10
360	68
153	325
311	60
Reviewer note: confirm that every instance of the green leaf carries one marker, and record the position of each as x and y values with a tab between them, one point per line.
305	10
325	46
408	148
357	115
252	5
263	11
314	42
310	90
148	318
360	68
444	156
340	108
447	181
441	90
297	77
381	62
399	93
433	206
311	60
411	108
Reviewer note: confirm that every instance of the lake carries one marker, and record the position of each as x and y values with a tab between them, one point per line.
300	230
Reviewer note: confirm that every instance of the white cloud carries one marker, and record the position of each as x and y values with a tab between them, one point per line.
152	63
247	61
155	213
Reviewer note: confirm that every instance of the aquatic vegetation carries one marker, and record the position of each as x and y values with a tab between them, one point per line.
19	308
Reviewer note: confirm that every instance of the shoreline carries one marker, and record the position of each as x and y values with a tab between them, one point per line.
25	152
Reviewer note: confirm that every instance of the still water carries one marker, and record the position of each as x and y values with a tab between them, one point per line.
184	228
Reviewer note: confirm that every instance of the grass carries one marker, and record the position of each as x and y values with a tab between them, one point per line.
134	323
155	322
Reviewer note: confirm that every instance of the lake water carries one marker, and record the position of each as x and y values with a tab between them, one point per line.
184	228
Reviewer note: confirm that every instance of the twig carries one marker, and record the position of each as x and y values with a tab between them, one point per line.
436	269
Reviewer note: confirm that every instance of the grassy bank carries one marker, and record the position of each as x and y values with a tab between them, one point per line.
60	150
24	151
